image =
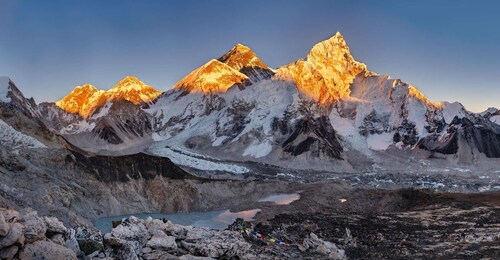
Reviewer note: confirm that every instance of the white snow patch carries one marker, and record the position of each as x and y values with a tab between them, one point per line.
451	110
218	141
258	150
196	162
380	141
78	127
103	111
10	137
495	119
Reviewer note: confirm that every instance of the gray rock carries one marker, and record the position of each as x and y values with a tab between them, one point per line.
127	251
160	240
218	244
71	241
46	250
4	226
159	255
54	225
34	227
15	235
9	252
89	240
10	215
326	248
146	250
58	239
155	224
112	241
132	230
192	257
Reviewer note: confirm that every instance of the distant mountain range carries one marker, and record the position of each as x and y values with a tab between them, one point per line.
326	111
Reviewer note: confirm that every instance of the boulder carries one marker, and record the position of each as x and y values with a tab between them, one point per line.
322	247
10	215
71	242
160	240
113	241
132	230
15	236
127	251
218	244
9	252
54	225
192	257
89	240
153	225
34	227
58	239
46	250
4	226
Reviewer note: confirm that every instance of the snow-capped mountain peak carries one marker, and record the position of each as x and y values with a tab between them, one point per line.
212	77
241	56
132	89
327	71
85	99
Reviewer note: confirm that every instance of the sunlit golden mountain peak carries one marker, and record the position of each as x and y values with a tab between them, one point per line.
212	77
327	71
241	56
85	99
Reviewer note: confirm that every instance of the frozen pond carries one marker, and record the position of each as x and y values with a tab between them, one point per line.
281	199
210	219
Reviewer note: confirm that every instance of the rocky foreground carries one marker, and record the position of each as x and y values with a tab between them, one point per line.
436	226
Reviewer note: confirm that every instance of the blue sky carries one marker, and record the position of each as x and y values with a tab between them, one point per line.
450	50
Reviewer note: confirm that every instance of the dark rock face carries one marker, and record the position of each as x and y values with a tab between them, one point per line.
19	102
476	131
236	119
257	73
130	167
124	119
448	145
483	137
316	135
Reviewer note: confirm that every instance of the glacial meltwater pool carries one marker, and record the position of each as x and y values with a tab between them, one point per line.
210	219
